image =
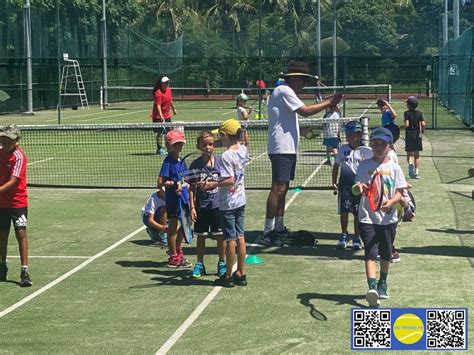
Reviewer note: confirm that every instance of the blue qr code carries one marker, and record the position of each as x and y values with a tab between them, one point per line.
372	329
446	329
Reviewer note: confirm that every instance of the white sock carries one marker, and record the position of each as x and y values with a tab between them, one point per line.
416	171
279	225
268	225
24	267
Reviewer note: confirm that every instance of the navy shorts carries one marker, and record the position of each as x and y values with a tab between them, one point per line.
283	167
208	221
331	142
19	217
378	240
348	203
172	211
232	222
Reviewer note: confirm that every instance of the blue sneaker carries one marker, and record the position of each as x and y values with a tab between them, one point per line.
221	268
342	243
356	243
382	290
199	270
411	170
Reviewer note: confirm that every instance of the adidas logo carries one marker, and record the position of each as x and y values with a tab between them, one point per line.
21	222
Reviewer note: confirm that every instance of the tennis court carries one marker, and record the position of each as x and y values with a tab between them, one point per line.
101	287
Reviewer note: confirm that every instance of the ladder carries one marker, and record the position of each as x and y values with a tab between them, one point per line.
72	70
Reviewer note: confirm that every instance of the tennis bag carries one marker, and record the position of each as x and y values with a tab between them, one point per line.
305	238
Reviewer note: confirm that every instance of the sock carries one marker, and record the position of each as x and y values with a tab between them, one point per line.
24	267
383	276
372	283
416	171
268	225
279	225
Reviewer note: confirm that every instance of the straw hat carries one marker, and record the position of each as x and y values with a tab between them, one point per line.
297	68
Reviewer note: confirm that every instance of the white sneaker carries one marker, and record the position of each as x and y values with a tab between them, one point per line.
372	297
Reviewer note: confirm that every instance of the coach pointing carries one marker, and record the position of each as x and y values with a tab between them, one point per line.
283	138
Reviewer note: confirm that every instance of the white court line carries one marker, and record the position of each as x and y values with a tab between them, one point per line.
39	161
215	291
52	256
67	274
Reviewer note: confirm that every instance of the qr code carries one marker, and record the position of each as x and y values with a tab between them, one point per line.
371	329
446	329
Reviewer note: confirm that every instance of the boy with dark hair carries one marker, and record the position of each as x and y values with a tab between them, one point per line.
155	219
414	128
13	200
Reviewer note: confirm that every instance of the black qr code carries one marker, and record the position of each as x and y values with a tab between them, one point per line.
371	329
446	329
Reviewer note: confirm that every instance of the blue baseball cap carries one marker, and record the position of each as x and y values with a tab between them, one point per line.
383	134
353	127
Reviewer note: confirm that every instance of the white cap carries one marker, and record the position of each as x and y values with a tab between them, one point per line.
165	79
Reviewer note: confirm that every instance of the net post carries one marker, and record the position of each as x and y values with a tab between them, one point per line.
101	97
389	93
364	121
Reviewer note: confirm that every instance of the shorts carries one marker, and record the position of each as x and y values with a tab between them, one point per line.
347	202
19	217
155	235
378	240
331	142
413	144
283	167
172	211
232	222
208	221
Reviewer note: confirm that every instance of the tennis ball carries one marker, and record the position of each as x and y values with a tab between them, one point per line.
309	134
355	190
408	328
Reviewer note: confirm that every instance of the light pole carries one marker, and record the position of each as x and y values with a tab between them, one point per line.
334	42
104	53
318	34
29	66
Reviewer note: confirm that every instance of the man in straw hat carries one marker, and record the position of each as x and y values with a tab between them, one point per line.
283	137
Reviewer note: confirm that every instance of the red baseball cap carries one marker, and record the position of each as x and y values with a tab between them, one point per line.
175	136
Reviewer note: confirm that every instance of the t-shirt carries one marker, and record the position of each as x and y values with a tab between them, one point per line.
173	170
330	125
392	155
393	179
387	118
162	99
240	116
414	118
232	163
348	162
153	204
13	164
207	199
283	127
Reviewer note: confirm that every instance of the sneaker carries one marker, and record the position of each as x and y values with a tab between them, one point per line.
272	239
416	176
221	268
382	290
3	272
411	170
395	257
341	244
356	243
239	280
224	282
199	270
185	263
372	297
25	280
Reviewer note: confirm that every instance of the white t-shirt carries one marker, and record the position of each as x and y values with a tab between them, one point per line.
348	162
330	125
153	204
392	155
232	163
393	179
240	116
283	127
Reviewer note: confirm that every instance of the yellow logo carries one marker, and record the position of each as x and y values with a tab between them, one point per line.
408	328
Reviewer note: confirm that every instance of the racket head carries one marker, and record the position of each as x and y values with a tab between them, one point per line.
400	212
363	152
375	192
185	221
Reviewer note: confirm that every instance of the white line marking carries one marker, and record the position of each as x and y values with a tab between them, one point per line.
52	256
39	161
67	274
215	291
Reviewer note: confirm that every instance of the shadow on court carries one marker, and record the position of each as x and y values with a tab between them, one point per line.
441	250
306	298
450	231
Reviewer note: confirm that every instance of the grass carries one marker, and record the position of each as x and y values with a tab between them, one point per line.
297	301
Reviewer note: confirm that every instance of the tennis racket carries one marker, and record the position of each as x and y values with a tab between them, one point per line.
420	128
185	220
400	212
375	192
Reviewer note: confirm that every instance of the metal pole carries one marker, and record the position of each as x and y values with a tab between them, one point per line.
318	38
29	70
456	19
59	60
260	59
445	23
334	42
104	52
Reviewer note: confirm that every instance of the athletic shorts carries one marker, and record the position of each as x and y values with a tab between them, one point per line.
208	221
348	203
232	222
172	211
378	240
19	217
331	142
155	234
283	167
413	145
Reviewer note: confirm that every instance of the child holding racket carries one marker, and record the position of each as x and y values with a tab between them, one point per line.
348	159
204	206
232	200
388	113
155	219
331	135
243	115
414	128
13	200
170	178
381	182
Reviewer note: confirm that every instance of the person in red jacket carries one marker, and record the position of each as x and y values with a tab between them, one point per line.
13	200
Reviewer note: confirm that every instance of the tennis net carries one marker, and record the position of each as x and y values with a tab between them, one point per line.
124	156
